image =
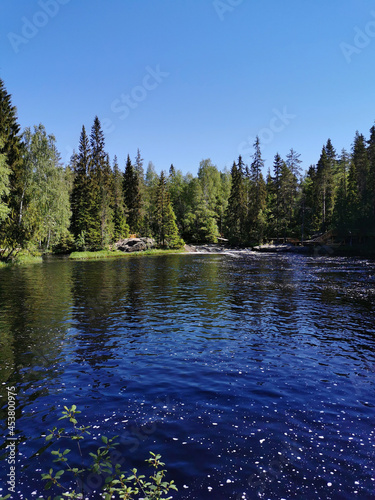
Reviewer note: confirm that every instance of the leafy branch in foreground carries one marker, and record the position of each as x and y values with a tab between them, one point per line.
117	484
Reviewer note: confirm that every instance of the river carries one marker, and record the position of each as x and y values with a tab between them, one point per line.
251	374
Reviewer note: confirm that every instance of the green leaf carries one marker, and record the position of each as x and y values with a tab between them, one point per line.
104	439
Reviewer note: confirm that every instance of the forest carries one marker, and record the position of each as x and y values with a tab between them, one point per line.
94	201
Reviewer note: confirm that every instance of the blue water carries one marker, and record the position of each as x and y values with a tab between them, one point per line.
252	375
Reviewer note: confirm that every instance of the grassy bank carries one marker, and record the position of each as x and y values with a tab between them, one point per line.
107	254
23	258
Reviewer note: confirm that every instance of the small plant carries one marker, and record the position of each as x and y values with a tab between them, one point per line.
117	484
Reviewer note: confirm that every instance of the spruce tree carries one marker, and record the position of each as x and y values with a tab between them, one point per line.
99	232
151	184
288	184
308	204
138	167
257	195
340	215
277	169
13	232
132	197
177	191
255	174
80	196
4	186
325	185
167	231
236	213
362	169
121	229
359	190
371	176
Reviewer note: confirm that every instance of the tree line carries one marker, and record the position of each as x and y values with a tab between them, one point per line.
91	203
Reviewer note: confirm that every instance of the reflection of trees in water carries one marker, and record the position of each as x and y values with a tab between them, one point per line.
33	325
107	297
124	298
263	290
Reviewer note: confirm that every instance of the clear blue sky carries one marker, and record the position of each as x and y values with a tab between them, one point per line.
185	80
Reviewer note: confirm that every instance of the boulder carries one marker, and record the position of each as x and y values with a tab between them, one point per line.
135	244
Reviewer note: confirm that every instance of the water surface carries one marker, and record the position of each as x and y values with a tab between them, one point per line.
252	375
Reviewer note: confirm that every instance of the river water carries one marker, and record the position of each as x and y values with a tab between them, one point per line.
252	375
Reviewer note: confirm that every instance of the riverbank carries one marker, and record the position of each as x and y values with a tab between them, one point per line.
23	259
362	251
110	254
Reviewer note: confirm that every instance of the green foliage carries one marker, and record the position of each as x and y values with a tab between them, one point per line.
80	195
12	232
236	213
104	254
165	219
48	213
132	196
65	243
70	479
89	205
4	185
120	227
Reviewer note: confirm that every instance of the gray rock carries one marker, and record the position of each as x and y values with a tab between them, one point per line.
135	244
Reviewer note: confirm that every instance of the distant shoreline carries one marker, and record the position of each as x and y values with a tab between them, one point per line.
359	251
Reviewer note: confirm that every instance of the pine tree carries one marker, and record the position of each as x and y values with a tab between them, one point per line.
167	232
293	162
